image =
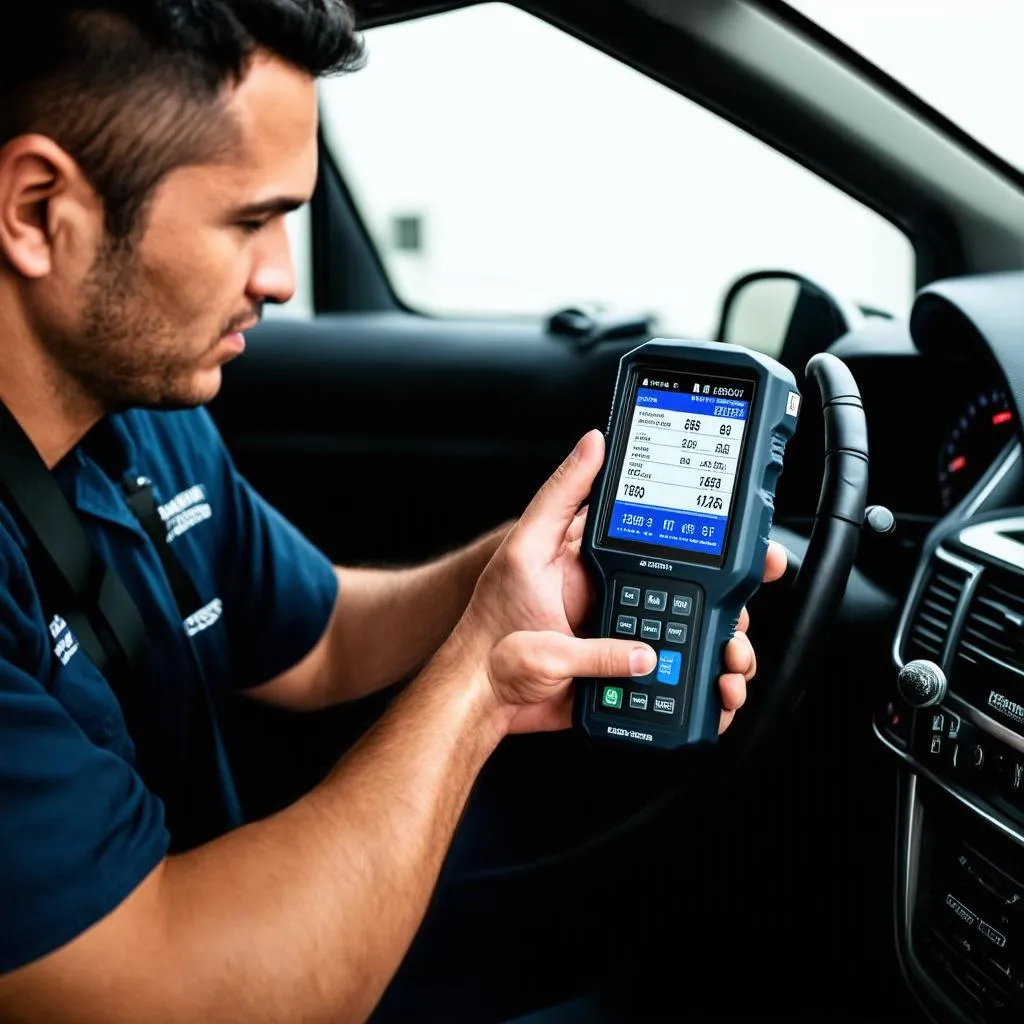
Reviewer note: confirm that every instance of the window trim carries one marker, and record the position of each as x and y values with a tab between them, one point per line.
349	274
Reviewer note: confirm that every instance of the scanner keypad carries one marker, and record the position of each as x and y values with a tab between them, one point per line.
666	615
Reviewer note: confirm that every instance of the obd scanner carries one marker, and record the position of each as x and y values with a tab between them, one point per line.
677	532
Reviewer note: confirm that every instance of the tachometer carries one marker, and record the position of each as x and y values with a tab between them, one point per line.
976	437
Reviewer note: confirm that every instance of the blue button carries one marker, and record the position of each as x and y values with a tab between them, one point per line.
670	664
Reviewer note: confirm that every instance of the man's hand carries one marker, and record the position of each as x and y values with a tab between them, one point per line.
535	593
739	659
358	653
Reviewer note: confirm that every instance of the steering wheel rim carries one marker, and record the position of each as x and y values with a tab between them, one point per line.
819	584
817	590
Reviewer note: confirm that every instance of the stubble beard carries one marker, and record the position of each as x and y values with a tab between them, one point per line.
123	354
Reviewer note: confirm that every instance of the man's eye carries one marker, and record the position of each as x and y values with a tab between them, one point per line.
252	226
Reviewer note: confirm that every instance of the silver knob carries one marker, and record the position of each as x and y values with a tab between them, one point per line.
880	519
922	684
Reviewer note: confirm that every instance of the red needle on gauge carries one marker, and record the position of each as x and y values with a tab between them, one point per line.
1002	417
958	463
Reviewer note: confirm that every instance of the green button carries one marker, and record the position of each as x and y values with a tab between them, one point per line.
612	697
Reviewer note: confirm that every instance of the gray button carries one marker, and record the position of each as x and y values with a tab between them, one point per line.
650	629
675	632
638	701
666	705
681	604
626	625
656	600
630	596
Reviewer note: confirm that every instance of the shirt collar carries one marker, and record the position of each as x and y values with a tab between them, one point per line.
92	474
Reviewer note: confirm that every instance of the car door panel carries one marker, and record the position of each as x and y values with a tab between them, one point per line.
394	436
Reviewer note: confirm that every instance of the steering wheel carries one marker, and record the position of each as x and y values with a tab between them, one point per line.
814	590
818	583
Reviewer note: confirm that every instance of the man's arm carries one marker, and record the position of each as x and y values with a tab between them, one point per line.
386	623
307	914
304	916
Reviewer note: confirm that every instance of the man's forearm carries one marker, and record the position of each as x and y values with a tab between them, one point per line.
325	898
390	621
306	915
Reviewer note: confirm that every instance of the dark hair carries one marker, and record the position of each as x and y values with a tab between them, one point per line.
132	89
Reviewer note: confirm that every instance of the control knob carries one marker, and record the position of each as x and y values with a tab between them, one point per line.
922	684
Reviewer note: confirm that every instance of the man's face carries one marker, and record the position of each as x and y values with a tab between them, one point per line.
151	323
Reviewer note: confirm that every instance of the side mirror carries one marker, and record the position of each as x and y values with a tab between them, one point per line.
784	314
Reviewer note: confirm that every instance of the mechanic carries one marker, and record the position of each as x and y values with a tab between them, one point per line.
148	154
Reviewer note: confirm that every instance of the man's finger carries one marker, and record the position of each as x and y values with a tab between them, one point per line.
550	656
740	657
547	518
774	568
577	526
774	562
604	658
744	621
561	713
734	691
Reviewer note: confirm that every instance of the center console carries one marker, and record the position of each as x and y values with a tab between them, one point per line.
956	720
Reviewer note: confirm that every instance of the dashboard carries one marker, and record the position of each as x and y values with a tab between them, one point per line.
943	402
937	422
934	427
973	441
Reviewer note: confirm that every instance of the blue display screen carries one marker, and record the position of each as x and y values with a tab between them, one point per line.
680	462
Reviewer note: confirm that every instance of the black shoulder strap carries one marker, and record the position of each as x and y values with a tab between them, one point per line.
71	576
139	492
100	611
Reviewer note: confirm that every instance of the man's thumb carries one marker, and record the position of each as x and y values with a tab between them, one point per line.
550	656
552	510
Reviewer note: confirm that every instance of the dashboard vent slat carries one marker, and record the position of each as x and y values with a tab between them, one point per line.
993	633
933	615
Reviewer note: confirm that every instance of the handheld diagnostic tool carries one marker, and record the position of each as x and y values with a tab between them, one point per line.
678	528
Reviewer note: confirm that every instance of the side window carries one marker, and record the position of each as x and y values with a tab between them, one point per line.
505	168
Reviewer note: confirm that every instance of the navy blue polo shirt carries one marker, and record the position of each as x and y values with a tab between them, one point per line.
79	829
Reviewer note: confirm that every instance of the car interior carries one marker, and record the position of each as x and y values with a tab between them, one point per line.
852	852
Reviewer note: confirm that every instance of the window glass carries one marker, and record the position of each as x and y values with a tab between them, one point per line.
505	168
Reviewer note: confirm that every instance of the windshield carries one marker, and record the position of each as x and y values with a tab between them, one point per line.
960	56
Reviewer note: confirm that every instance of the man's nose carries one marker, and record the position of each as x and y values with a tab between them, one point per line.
273	273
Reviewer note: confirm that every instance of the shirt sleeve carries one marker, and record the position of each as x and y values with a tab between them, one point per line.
281	589
78	829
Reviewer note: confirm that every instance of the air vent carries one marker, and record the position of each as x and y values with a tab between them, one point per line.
994	629
933	615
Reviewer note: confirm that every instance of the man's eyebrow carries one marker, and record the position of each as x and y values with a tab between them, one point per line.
270	207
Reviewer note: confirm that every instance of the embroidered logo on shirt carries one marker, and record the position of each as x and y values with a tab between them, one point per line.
66	646
206	617
182	512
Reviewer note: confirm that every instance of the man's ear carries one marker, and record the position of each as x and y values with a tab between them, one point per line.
47	208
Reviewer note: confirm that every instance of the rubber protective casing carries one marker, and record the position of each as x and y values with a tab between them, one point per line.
771	423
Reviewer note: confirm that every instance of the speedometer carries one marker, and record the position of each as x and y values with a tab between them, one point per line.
976	437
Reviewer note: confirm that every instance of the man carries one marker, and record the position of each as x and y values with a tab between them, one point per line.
148	154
